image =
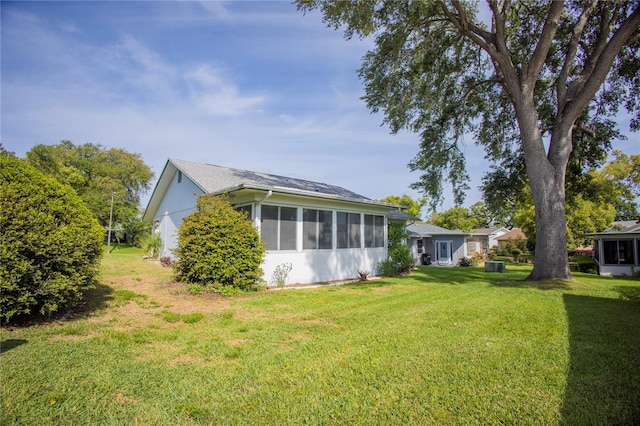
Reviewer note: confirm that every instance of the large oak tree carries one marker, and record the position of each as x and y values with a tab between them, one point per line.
529	81
97	174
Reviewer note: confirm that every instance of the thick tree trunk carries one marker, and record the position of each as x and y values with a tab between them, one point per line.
551	261
546	173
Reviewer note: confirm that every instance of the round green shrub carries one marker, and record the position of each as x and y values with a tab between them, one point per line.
465	261
50	244
217	244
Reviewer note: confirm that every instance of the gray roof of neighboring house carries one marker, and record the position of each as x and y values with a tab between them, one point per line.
620	227
420	230
484	231
624	226
213	179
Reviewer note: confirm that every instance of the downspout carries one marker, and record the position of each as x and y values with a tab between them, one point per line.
164	240
258	217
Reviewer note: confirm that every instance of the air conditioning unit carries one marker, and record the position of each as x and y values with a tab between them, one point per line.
494	266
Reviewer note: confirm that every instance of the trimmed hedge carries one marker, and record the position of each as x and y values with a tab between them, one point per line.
50	244
219	245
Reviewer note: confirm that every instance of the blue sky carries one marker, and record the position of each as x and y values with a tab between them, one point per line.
251	85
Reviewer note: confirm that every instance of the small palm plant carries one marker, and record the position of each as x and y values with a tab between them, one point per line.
151	244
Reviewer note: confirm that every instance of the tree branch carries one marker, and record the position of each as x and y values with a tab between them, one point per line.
470	26
532	69
561	84
586	130
598	48
460	21
499	16
634	39
594	79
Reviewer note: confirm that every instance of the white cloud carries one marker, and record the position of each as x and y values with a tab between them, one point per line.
217	9
215	94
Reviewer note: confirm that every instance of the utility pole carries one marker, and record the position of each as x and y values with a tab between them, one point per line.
109	234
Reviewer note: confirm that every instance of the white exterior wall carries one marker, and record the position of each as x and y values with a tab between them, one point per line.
178	202
312	266
412	243
616	270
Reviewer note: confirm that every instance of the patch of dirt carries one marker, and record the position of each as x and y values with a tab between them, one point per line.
174	296
186	359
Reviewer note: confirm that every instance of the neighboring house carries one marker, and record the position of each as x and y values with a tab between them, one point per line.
325	232
441	246
514	234
617	249
483	239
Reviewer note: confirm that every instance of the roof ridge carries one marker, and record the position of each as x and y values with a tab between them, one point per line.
214	177
254	171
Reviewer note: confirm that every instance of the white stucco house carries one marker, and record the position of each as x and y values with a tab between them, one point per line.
324	231
617	249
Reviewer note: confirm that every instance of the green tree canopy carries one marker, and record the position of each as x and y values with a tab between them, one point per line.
51	244
97	173
414	207
624	172
530	82
483	216
455	218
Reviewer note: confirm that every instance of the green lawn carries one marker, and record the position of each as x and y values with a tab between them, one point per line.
443	346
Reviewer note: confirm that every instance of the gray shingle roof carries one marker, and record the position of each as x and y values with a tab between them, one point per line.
417	230
214	179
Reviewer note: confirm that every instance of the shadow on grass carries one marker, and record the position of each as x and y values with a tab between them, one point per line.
540	285
94	299
7	345
604	359
464	275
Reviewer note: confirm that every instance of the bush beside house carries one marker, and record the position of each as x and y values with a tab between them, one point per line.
400	260
218	245
51	244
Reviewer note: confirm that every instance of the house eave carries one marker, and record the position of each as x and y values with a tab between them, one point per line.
306	194
632	234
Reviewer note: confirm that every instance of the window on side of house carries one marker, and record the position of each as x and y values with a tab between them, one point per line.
373	231
348	228
618	252
288	227
278	229
269	227
471	245
317	229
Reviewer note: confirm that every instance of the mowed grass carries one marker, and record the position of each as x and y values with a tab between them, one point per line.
443	346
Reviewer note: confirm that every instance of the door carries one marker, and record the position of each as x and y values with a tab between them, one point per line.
443	251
